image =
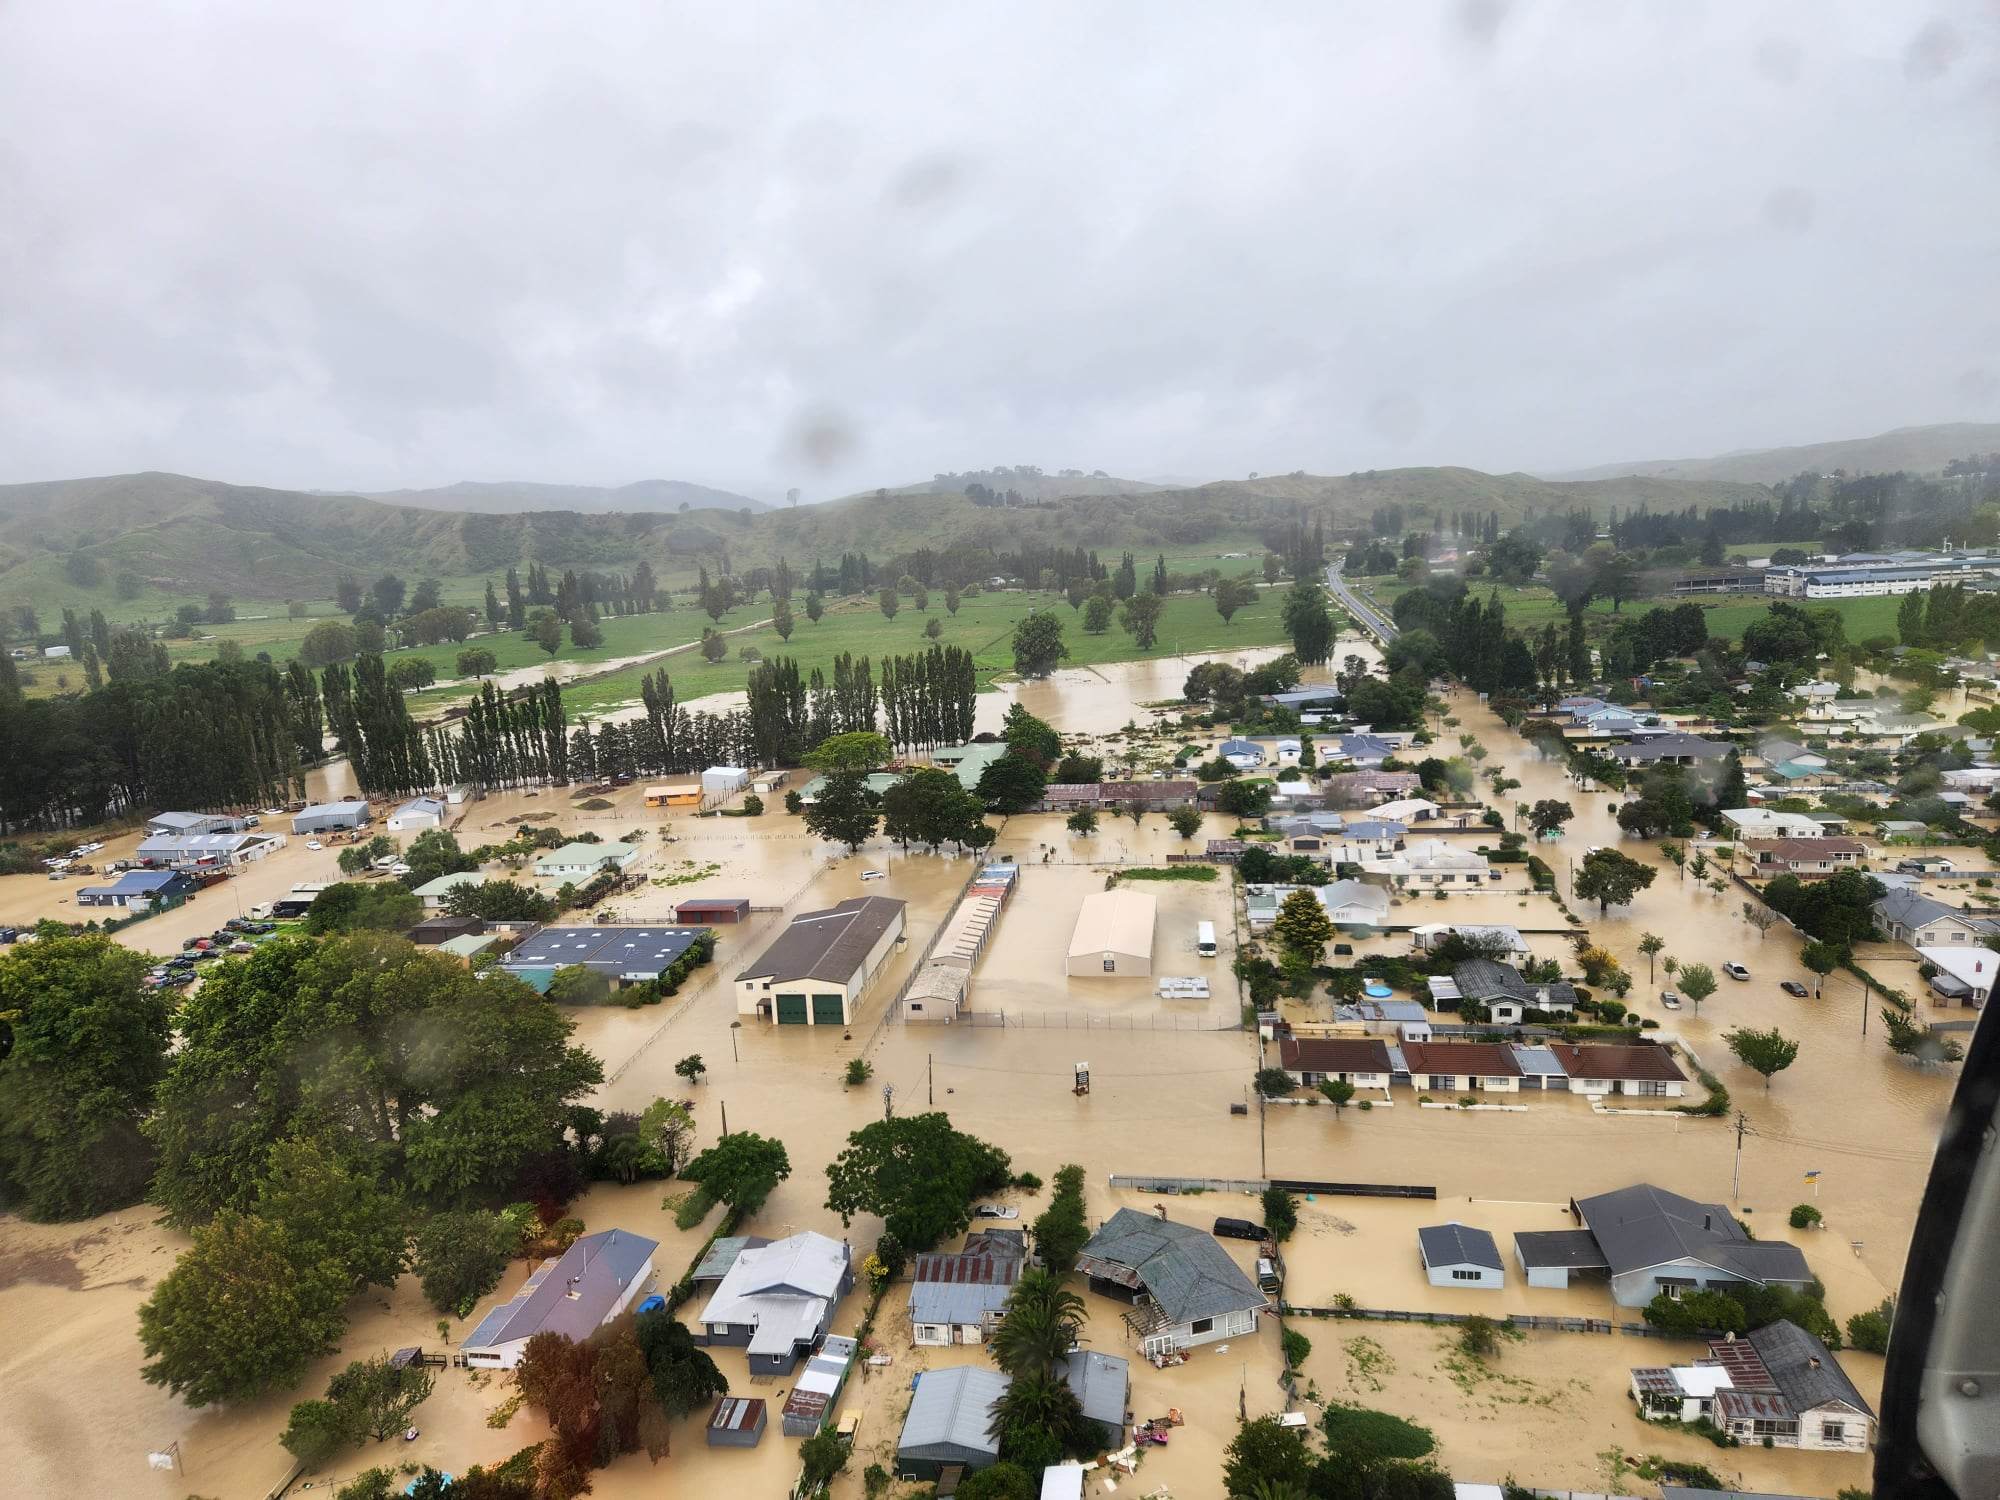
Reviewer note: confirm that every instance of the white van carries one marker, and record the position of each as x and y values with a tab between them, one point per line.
1204	939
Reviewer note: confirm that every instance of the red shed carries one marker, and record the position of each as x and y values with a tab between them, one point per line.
713	911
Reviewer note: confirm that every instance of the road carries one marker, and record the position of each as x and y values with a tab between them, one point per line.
1372	620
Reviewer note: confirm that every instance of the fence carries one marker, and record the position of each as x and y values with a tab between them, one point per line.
1515	1320
1142	1184
894	1009
1063	1020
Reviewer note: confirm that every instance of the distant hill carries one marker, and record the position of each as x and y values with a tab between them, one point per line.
183	536
512	496
1915	450
1030	484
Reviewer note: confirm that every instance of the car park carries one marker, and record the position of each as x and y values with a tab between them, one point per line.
1793	987
1735	971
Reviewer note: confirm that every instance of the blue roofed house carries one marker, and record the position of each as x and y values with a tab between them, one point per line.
958	1299
140	890
1362	749
776	1301
573	1294
1459	1255
1102	1384
948	1429
619	954
1652	1241
1243	754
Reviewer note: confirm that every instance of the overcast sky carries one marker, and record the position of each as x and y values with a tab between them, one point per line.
757	245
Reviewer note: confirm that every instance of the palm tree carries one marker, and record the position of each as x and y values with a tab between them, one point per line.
1042	1322
1037	1401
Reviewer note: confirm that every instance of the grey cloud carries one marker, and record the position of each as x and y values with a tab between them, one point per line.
846	246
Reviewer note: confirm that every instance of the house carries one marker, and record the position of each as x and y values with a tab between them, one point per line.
713	911
1672	750
1779	752
469	945
875	783
936	992
164	850
1245	755
1655	1241
1964	975
620	955
434	893
1920	921
140	890
776	1301
1894	830
815	971
1541	1070
946	1432
1458	1255
1609	722
1643	1070
573	1294
1102	1384
1365	838
330	817
1113	934
1261	903
1431	865
719	1257
1763	822
1403	1019
1148	796
1184	1288
1460	1067
1360	788
674	794
183	823
1505	942
958	1299
1223	851
737	1422
722	781
1809	859
462	793
1361	1061
818	1386
416	815
1354	903
580	861
1787	1389
969	762
434	931
1505	995
1406	810
1364	750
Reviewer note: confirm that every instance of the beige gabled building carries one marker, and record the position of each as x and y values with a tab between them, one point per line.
1113	935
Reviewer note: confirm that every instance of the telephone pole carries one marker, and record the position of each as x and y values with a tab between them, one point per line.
1736	1171
930	1086
888	1100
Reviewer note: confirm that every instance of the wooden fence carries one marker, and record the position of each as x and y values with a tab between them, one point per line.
1405	1315
1174	1185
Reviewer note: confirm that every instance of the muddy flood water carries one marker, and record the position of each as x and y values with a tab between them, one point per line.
1164	1075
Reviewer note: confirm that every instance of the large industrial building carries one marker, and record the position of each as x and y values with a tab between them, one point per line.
1113	935
814	972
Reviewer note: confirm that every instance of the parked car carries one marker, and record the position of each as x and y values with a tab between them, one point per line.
399	869
996	1211
1735	971
871	875
1236	1229
1793	987
1670	1000
314	844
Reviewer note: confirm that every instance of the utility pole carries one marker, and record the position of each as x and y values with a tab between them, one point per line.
888	1100
930	1086
1736	1171
725	1115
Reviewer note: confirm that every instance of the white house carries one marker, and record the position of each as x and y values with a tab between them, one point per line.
1430	865
1964	975
573	1294
1921	921
1405	810
416	815
1458	1255
1787	1389
1188	1288
1764	822
722	780
581	861
776	1301
434	893
1354	903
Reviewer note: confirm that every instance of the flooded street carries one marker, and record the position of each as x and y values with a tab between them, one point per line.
1164	1075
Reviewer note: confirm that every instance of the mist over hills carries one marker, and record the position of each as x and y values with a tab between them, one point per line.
512	496
1915	450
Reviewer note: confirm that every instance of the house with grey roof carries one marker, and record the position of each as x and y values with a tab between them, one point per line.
776	1301
1459	1255
1920	921
1505	995
573	1294
1672	750
958	1299
814	972
194	822
1102	1384
1654	1241
1183	1286
946	1432
1787	1389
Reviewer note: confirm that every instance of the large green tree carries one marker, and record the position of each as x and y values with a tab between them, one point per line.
843	812
1309	622
741	1169
338	1209
1141	618
1038	644
1302	926
1611	879
449	1081
1012	783
1062	1231
1765	1052
917	1173
460	1257
242	1313
929	807
83	1046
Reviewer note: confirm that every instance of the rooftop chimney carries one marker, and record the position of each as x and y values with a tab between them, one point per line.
1812	1362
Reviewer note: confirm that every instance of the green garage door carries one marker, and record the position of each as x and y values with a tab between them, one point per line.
829	1010
791	1010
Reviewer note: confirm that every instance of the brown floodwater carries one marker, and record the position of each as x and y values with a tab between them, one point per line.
1159	1103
